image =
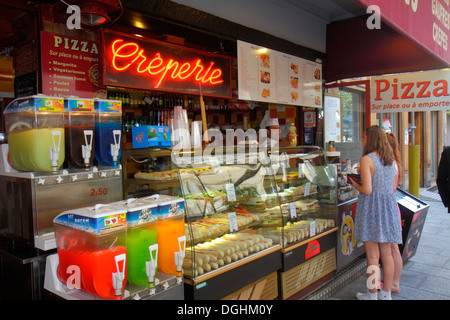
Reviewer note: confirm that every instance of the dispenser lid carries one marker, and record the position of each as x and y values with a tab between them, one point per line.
75	104
37	102
97	219
104	105
139	212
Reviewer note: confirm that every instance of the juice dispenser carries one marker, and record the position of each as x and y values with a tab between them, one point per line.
171	236
91	245
35	132
108	131
79	132
142	240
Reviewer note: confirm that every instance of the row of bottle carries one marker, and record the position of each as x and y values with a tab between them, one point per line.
153	118
154	100
150	99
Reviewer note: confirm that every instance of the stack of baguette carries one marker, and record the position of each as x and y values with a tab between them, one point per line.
208	256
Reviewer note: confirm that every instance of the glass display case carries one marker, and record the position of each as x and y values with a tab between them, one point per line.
230	233
307	191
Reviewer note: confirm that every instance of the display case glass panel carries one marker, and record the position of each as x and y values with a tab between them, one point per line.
307	191
226	196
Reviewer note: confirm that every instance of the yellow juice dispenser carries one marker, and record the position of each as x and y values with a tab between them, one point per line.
142	240
108	132
35	133
171	236
79	132
92	252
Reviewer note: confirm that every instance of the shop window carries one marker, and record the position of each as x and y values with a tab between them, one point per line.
352	100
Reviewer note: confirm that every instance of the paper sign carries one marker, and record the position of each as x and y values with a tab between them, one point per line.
293	210
232	221
231	193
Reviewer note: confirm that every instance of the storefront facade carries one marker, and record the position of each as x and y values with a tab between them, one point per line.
181	47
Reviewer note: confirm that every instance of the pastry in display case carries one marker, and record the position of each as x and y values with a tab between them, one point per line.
227	226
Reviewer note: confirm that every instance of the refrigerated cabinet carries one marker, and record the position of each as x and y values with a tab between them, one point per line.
306	186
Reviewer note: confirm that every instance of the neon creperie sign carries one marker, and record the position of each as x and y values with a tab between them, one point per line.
155	65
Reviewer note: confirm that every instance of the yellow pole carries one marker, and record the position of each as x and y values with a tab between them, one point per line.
414	170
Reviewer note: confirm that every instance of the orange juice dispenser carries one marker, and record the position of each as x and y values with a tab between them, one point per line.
79	132
142	240
108	132
35	133
171	236
92	252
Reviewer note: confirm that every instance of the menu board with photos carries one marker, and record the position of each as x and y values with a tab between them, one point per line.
275	77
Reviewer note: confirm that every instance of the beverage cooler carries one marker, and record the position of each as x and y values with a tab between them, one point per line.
47	167
413	214
129	249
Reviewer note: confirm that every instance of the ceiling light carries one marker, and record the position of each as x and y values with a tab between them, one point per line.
94	15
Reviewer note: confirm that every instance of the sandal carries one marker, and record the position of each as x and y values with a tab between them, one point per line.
393	289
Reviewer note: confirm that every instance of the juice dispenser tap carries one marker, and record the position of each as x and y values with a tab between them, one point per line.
115	147
150	266
54	151
119	276
87	149
179	255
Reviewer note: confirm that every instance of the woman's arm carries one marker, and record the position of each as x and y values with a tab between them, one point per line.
367	168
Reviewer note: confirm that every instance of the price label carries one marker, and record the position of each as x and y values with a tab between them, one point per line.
312	228
300	171
293	210
307	188
231	193
232	221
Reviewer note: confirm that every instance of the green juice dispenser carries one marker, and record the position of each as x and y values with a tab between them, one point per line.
35	133
92	250
108	132
142	240
79	132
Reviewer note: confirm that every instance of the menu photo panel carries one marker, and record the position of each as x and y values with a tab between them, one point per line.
274	77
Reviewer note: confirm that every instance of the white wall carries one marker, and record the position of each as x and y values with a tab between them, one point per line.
279	19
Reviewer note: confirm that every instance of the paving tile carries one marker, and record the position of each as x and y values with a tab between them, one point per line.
427	269
412	277
436	285
429	259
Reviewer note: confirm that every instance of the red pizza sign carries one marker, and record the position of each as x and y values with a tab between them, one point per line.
69	66
149	64
312	249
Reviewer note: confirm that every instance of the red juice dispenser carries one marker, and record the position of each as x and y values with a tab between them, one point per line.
35	133
79	132
92	252
108	132
142	240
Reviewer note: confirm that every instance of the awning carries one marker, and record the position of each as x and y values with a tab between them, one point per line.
414	36
353	50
